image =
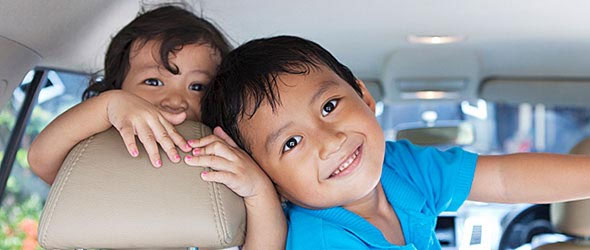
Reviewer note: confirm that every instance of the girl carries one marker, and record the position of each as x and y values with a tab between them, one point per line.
156	69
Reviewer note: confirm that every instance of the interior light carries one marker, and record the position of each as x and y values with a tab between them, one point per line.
435	39
429	95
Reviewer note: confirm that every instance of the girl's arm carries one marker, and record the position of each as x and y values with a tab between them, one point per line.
531	178
130	114
51	146
266	226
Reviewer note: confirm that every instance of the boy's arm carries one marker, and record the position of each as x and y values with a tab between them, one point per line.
266	226
531	178
51	146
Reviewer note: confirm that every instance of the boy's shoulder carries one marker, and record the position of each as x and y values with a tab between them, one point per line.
403	152
439	179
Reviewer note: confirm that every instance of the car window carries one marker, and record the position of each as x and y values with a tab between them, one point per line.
539	128
25	193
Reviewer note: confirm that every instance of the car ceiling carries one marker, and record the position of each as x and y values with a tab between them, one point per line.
510	38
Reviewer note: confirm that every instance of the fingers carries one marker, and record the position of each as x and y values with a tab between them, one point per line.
213	145
148	140
128	136
175	136
218	131
226	178
212	161
166	137
218	135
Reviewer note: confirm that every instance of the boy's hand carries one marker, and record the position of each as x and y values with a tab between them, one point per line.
132	115
233	167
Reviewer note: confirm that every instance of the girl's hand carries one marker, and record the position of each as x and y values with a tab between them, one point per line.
233	167
132	115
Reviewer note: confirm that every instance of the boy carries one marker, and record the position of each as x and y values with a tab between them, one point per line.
310	125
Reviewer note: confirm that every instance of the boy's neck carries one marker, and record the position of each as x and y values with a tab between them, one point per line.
376	210
373	204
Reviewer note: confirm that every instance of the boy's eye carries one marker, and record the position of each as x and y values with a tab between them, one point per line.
196	87
291	143
153	82
329	107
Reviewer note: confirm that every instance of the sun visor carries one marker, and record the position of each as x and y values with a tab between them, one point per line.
431	74
15	61
549	91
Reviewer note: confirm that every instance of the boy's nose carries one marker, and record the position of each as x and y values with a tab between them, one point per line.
332	142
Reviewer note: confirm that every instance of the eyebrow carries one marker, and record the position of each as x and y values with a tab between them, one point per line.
157	68
274	135
324	87
204	72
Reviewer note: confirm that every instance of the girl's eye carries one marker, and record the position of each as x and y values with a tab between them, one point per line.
291	143
153	82
196	87
329	107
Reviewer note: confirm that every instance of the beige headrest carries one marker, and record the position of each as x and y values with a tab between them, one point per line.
573	217
104	198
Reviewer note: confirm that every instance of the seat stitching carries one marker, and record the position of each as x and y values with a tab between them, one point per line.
62	185
213	200
223	216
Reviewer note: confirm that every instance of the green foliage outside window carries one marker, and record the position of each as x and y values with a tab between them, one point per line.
20	210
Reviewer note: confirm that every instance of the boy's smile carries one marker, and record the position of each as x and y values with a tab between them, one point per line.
322	145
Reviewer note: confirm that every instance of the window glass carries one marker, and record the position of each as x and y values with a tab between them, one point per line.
538	128
25	193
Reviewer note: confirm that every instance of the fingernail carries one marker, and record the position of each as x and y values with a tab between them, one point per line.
190	142
176	157
187	157
134	153
203	174
158	163
196	151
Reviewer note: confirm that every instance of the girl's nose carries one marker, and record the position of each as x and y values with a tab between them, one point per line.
174	103
332	142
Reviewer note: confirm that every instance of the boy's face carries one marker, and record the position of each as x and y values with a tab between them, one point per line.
322	146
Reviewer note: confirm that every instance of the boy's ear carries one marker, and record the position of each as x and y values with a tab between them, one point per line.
367	97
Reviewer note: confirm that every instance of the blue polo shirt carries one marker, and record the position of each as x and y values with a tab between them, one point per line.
419	182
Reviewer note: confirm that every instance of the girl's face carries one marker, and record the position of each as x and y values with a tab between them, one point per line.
150	80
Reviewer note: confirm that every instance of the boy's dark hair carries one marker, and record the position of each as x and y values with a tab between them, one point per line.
172	25
248	75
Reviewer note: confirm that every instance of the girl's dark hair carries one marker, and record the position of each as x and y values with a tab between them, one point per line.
248	76
172	25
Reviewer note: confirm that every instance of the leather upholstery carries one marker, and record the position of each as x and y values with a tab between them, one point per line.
104	198
563	246
572	218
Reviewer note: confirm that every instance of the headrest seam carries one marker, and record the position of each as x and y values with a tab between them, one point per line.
62	185
215	212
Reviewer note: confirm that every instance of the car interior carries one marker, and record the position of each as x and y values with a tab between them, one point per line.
491	77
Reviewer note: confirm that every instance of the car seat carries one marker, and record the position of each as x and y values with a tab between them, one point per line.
103	198
572	218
